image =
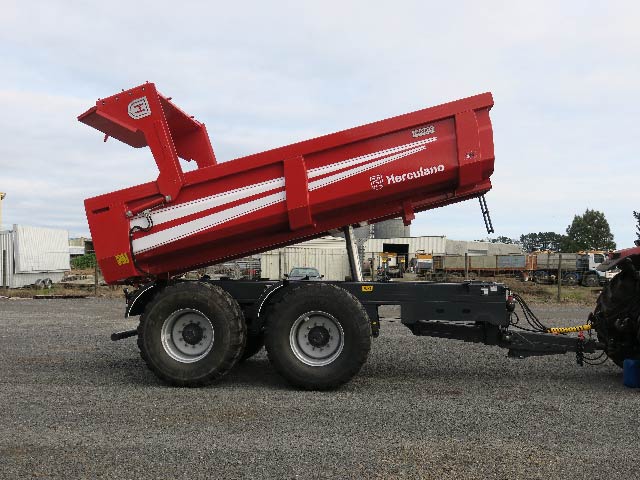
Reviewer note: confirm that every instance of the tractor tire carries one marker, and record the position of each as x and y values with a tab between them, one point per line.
191	334
254	345
318	336
616	318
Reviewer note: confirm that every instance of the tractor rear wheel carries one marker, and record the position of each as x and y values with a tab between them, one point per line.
318	336
616	318
191	334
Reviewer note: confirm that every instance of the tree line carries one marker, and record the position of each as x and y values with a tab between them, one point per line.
589	231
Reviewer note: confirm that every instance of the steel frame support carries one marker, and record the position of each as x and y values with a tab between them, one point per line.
352	252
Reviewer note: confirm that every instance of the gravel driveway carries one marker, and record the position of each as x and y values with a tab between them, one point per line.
74	404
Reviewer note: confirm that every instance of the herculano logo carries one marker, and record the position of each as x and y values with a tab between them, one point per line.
378	181
423	172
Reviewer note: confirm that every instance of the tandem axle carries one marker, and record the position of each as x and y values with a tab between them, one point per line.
307	328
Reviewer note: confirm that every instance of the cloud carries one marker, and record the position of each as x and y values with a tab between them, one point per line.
261	74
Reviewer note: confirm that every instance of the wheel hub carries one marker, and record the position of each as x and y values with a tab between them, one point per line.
192	334
318	336
187	335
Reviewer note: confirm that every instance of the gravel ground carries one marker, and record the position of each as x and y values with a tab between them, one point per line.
74	404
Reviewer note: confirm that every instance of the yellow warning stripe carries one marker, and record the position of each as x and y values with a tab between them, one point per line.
579	328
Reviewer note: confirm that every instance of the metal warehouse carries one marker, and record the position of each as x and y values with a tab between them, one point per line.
327	254
28	254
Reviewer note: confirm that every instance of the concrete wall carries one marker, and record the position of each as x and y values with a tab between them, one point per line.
460	247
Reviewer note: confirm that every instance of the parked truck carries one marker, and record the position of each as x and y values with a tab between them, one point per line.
480	265
574	268
542	267
317	334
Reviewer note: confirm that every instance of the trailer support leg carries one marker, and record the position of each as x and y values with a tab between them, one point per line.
352	252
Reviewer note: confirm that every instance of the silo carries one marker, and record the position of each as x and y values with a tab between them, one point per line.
394	228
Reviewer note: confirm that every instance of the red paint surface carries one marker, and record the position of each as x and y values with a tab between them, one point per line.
452	163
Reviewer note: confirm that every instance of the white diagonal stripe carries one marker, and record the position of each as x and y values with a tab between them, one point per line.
315	172
167	214
183	230
323	182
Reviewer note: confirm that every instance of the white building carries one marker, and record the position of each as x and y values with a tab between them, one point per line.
327	254
28	254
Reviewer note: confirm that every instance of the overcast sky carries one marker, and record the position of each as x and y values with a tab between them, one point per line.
565	78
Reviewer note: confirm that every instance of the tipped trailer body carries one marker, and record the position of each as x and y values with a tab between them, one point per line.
220	211
317	334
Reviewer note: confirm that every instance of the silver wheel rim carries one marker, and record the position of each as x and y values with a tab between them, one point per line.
316	338
187	335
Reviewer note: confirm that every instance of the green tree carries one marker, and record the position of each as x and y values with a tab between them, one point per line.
545	241
84	261
590	231
637	216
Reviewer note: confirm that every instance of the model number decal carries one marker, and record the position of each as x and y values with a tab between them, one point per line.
421	132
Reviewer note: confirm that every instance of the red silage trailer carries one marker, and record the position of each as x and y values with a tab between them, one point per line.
317	334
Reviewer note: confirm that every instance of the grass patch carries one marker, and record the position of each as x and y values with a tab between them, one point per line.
549	293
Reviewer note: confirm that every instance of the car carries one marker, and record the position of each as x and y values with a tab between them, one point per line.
304	273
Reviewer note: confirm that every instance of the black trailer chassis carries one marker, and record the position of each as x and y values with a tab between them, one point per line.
471	311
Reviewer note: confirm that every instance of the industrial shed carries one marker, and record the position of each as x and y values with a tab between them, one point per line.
406	245
28	254
437	245
327	254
